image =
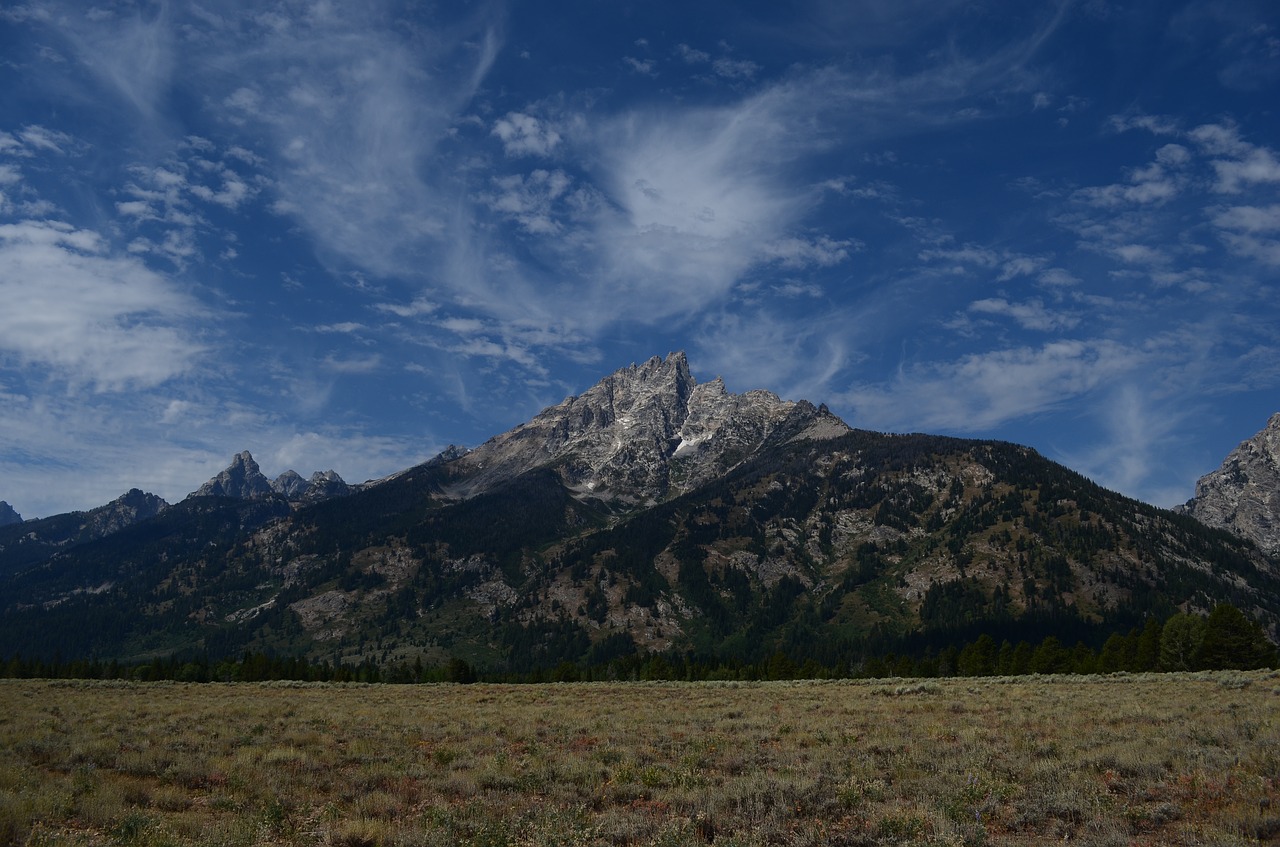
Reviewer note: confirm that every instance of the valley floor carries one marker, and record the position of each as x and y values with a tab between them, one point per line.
1147	759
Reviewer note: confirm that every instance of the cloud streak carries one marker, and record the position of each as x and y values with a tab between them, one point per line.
90	317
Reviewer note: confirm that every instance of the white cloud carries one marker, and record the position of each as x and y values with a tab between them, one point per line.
1017	266
39	138
640	66
1250	231
1248	218
1030	315
418	307
823	251
1138	254
352	365
1240	165
735	68
1154	124
1138	444
692	56
1157	183
525	135
131	55
967	255
530	200
91	317
981	391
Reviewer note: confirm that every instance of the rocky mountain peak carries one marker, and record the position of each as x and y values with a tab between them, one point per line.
641	434
126	510
242	479
289	485
8	515
1243	495
325	484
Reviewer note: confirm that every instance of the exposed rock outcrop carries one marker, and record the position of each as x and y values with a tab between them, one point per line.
644	433
1243	496
242	479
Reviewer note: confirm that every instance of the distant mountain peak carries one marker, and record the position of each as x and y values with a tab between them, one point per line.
8	515
642	433
1243	495
244	480
241	479
126	510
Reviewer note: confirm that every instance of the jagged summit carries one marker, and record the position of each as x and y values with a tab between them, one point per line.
8	515
325	484
643	433
126	510
289	485
1243	496
244	480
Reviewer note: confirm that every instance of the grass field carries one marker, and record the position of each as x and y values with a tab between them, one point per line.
1159	759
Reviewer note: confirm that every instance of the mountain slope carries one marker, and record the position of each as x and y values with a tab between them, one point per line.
648	513
22	545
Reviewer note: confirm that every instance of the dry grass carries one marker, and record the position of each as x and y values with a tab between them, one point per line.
1190	759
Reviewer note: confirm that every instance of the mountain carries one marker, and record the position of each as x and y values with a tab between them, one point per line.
643	434
26	544
1243	495
648	513
8	515
244	480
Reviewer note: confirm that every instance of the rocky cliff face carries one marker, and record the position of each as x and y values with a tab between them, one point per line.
642	434
1243	496
244	480
8	515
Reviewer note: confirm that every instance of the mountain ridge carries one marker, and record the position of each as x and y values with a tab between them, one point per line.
244	480
649	513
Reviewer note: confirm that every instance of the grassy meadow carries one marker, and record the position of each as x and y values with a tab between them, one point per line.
1116	760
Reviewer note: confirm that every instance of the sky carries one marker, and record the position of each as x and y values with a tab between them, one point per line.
347	235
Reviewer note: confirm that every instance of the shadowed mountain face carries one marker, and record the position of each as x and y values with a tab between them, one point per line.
1243	496
8	515
647	513
25	544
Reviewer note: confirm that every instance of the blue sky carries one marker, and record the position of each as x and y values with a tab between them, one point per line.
347	235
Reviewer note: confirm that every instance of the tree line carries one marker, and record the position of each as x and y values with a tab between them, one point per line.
1223	640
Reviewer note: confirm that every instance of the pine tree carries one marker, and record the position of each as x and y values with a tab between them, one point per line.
1180	642
1231	640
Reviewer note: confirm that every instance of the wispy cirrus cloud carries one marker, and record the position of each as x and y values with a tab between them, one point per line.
981	391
